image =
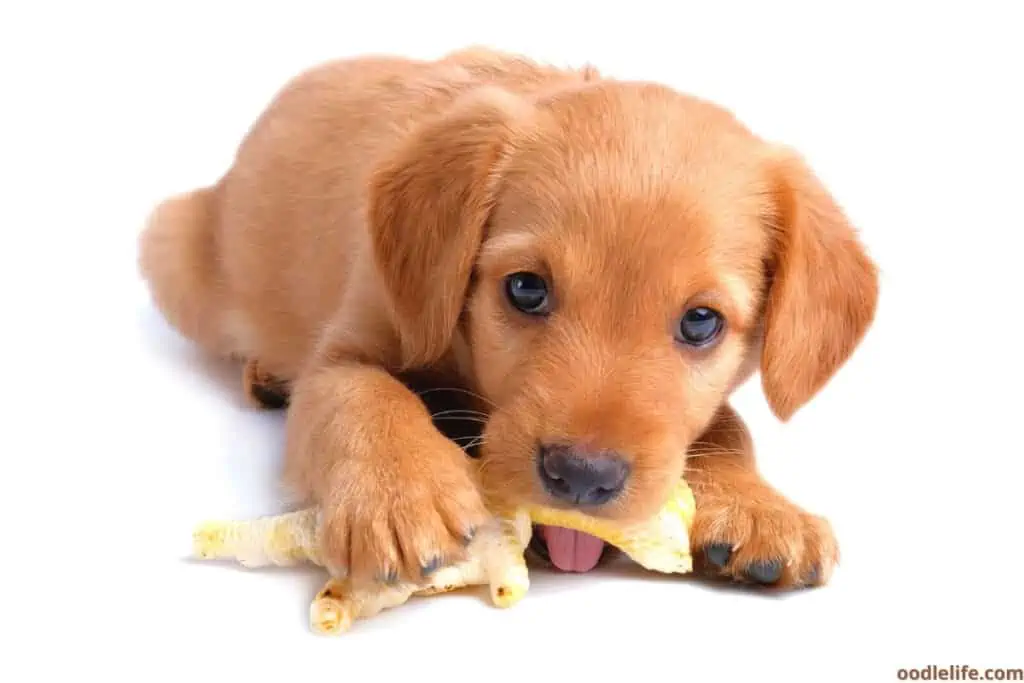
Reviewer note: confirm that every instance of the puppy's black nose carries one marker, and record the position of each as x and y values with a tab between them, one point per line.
582	478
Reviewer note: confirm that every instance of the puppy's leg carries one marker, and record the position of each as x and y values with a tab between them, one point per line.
399	498
179	262
744	528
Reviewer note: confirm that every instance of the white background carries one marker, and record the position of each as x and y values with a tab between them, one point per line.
118	436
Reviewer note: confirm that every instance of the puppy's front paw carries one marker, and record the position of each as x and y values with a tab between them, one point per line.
401	525
763	539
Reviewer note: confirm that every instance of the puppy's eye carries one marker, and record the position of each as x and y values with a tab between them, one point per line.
700	326
528	292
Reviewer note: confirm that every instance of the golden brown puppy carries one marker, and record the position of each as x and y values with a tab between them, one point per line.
602	262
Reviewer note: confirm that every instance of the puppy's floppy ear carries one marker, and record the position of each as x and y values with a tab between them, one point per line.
429	206
823	290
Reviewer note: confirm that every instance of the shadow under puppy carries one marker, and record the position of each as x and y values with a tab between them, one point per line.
601	263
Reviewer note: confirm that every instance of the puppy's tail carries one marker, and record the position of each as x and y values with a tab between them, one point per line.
179	261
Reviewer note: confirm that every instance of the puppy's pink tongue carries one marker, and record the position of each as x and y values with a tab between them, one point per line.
571	551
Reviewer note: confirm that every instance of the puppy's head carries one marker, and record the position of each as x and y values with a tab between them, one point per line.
616	259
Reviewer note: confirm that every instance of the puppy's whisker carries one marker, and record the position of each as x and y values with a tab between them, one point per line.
471	413
463	418
465	437
472	444
461	391
708	444
718	429
714	451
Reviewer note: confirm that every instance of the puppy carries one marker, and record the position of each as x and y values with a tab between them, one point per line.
599	263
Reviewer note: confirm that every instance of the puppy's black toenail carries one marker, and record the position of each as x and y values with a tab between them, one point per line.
767	571
390	577
812	576
432	566
269	398
718	553
467	537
